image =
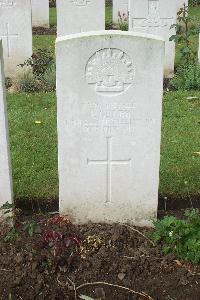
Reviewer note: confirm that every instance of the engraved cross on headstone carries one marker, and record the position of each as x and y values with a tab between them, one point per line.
153	19
109	162
8	36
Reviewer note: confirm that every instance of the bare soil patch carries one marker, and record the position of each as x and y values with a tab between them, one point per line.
39	268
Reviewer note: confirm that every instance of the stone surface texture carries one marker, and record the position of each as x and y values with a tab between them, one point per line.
75	16
16	33
40	13
109	109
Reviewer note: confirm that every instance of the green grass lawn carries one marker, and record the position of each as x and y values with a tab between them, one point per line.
32	121
52	16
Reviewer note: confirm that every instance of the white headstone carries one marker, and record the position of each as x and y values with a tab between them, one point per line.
156	17
180	4
16	33
5	170
74	16
109	97
119	6
40	13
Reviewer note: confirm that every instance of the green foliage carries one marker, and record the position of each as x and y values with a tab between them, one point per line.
181	237
187	78
6	206
12	235
8	82
123	21
26	82
184	31
49	79
31	228
39	62
194	2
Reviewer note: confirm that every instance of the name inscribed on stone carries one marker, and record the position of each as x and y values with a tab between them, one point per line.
7	3
108	118
80	2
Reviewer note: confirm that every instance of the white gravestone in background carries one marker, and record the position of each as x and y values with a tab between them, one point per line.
119	6
109	97
16	33
156	17
40	13
74	16
5	170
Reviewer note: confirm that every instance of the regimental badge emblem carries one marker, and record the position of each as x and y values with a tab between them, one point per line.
110	72
81	2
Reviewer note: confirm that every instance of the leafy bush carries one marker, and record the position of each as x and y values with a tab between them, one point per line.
26	82
194	2
40	61
49	79
181	237
187	78
8	82
123	21
185	29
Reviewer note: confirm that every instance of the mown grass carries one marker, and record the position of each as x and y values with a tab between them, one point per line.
34	145
180	165
52	16
32	121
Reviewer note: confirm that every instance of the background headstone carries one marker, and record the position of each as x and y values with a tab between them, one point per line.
16	33
40	13
156	17
109	101
119	6
75	16
5	170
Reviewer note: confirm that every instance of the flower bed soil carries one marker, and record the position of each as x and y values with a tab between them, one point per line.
31	268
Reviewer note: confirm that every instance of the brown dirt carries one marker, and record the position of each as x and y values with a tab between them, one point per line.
44	31
31	268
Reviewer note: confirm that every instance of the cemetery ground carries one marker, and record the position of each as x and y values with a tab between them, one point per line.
47	257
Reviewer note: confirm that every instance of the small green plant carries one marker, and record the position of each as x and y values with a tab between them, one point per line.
181	237
31	228
123	21
187	78
12	235
184	31
8	82
26	82
49	79
39	62
7	208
